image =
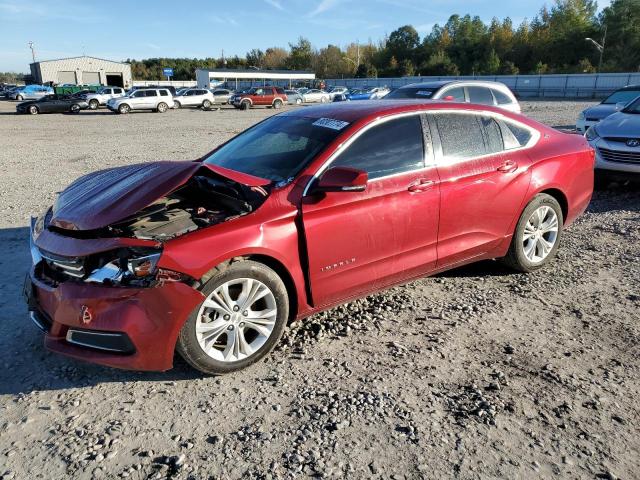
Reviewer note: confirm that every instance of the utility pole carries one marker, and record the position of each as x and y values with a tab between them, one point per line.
33	51
599	46
357	53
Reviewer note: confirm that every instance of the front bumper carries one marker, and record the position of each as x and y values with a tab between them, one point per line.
130	328
619	157
124	327
583	125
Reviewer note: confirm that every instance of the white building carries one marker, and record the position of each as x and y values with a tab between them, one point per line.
82	71
232	77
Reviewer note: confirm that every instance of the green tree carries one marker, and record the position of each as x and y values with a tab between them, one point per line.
255	58
300	55
622	19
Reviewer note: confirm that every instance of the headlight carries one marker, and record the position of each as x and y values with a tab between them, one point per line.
143	266
581	116
591	134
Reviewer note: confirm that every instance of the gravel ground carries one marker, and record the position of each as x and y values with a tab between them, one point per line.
475	373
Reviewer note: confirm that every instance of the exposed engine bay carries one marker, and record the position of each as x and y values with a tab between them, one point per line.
206	199
203	201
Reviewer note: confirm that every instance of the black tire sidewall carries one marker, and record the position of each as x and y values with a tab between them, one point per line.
123	108
516	257
33	110
187	344
94	104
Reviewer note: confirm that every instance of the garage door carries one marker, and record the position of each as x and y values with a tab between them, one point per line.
66	77
91	78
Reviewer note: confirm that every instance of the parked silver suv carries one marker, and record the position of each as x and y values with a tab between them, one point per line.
102	96
157	99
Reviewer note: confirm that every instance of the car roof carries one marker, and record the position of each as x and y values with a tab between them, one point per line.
630	87
442	83
353	112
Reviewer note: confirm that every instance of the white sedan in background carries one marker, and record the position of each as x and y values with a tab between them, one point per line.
316	96
194	97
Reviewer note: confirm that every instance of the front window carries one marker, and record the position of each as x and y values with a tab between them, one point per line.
412	92
622	96
276	149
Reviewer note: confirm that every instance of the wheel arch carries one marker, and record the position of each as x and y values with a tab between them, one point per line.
274	264
561	198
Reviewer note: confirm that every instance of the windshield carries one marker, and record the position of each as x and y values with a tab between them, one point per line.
633	107
412	92
276	149
621	96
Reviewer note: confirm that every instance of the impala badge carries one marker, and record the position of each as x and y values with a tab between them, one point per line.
341	263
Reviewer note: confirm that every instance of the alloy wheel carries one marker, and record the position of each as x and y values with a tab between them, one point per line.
236	320
540	234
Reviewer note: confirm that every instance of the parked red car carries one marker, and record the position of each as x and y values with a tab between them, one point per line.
303	211
259	97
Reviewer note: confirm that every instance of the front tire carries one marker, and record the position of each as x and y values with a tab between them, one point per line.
33	110
240	321
94	104
177	104
124	109
206	104
75	108
19	98
298	101
537	235
245	105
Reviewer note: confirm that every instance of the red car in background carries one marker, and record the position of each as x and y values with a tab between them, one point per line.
303	211
259	97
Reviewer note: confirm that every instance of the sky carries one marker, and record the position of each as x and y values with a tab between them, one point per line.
118	29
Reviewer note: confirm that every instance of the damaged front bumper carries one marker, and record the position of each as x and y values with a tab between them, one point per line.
119	326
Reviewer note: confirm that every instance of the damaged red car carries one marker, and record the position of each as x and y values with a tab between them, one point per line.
306	210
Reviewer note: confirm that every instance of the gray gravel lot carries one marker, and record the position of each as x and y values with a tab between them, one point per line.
476	373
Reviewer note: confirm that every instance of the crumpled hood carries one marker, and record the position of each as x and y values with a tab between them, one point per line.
107	196
620	125
600	111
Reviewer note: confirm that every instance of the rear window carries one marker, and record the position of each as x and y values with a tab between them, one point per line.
501	98
460	135
279	90
514	136
480	95
164	93
411	92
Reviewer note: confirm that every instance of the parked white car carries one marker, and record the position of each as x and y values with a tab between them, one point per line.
314	96
194	97
221	95
102	96
157	99
471	91
333	91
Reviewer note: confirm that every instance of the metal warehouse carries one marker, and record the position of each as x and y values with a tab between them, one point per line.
82	71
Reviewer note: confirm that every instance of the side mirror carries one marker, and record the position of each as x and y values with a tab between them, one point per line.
342	179
620	105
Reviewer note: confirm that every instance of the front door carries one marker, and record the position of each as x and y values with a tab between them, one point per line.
484	176
359	241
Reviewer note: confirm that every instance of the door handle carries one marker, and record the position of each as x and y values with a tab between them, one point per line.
421	185
508	166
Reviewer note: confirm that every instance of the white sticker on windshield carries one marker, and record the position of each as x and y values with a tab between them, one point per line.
424	93
330	123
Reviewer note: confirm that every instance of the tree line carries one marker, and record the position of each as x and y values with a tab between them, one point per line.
552	42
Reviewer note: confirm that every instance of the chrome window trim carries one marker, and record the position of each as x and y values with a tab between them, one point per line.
535	137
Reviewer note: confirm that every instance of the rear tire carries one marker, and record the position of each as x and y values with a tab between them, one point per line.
224	317
277	104
162	107
537	235
177	104
94	104
298	101
245	105
19	98
124	109
33	110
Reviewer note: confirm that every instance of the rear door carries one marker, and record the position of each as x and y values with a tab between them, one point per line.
484	178
150	99
360	241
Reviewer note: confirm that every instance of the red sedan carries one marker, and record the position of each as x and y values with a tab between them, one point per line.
301	212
